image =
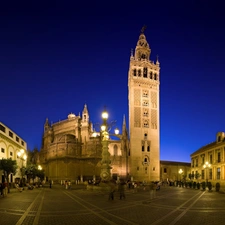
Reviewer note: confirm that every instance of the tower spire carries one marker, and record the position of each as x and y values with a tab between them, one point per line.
143	29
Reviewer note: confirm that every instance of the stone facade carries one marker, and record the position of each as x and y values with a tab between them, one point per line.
169	170
214	154
143	84
10	145
70	151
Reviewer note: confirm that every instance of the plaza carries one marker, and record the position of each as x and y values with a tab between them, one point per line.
56	205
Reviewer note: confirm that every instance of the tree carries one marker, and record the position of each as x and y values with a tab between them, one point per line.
41	174
197	175
31	171
8	166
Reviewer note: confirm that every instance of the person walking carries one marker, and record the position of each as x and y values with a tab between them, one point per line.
50	184
1	189
121	189
69	184
112	187
152	190
66	184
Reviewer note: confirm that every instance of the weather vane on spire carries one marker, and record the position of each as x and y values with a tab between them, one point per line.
143	29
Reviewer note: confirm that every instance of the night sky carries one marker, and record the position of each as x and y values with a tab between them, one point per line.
57	56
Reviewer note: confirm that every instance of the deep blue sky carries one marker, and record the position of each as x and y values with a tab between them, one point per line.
57	56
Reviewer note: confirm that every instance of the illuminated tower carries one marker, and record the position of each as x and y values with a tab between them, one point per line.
143	85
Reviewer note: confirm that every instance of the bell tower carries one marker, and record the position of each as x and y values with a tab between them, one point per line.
143	98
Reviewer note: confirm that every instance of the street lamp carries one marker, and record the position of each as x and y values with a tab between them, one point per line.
22	155
39	167
180	172
206	166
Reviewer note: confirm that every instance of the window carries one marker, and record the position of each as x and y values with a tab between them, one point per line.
196	162
165	170
145	93
10	134
196	174
2	150
219	157
218	174
148	148
193	163
146	170
17	139
143	148
210	159
203	160
145	112
153	169
155	76
210	174
146	135
11	153
22	143
203	175
146	123
143	56
145	103
134	72
138	168
145	72
145	160
151	75
139	73
2	128
115	149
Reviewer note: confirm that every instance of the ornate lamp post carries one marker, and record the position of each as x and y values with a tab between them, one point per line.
22	155
206	166
105	173
105	162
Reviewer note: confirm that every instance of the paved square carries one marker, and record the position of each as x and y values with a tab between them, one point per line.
172	205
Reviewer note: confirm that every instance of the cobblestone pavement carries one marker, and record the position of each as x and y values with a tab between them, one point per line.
172	205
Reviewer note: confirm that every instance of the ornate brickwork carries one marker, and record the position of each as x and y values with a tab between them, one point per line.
137	97
143	116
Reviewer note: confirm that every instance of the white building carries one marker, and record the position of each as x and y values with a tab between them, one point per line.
10	145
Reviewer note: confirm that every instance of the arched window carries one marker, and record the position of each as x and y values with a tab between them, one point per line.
139	73
115	149
145	72
151	75
135	72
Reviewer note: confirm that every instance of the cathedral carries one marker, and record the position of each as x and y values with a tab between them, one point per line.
71	151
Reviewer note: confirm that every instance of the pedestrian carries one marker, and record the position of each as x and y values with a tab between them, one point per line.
121	189
1	189
18	187
112	187
69	184
152	190
66	184
50	183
